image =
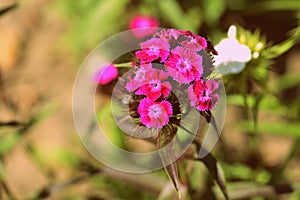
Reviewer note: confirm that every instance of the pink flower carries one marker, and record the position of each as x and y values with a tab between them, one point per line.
106	75
139	22
202	95
139	78
154	114
195	43
184	65
153	87
168	34
192	41
153	49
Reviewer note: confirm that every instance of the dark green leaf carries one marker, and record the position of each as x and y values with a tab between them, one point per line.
216	172
167	156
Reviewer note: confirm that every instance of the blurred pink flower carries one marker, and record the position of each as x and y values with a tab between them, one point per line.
202	95
106	75
155	114
139	22
184	65
153	49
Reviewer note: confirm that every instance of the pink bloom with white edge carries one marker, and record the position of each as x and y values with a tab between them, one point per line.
153	86
153	49
184	65
106	75
139	25
154	114
202	94
139	78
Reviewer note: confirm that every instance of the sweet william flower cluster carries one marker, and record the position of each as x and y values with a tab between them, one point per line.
171	58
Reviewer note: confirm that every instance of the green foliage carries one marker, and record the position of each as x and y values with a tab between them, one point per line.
104	115
91	22
218	7
174	14
9	140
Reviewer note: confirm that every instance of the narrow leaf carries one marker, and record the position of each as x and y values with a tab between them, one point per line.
216	172
11	123
167	156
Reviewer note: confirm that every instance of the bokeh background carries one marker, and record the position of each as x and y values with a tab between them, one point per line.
42	44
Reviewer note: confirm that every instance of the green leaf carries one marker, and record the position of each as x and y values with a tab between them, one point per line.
238	171
167	156
216	172
173	12
272	5
276	128
9	140
269	103
238	99
171	169
279	49
109	126
92	22
286	81
213	10
193	19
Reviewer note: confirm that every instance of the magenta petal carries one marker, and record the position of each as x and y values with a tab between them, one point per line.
146	120
167	106
154	95
184	65
154	114
212	85
153	49
202	96
143	22
106	75
144	106
166	89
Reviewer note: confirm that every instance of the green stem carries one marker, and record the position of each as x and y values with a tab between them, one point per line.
3	185
251	118
125	65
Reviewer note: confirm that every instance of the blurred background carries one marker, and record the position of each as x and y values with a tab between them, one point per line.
42	45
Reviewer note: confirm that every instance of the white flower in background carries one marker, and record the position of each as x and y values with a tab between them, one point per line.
233	56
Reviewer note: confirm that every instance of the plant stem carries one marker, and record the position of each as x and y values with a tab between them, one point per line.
126	64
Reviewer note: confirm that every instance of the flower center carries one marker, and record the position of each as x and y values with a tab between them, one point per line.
183	64
155	86
153	50
155	111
